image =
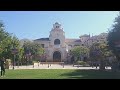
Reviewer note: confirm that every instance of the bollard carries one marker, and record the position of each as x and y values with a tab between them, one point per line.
38	64
33	65
48	65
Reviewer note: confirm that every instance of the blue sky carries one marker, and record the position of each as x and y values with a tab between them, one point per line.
37	24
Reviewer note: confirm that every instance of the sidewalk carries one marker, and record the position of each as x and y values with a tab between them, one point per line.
53	66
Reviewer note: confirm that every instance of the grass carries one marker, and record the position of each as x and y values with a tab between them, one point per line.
60	74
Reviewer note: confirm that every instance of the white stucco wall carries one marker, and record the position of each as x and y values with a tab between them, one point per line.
65	44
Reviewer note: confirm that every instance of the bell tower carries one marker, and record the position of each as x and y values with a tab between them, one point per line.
56	26
57	45
57	35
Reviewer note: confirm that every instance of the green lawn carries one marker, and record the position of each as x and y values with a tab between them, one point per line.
60	74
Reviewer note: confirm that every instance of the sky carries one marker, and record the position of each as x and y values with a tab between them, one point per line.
38	24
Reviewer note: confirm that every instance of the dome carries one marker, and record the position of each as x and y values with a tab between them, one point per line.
56	23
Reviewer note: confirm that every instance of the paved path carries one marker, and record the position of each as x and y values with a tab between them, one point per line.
53	66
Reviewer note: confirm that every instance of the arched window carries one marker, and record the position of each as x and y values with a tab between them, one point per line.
57	41
57	26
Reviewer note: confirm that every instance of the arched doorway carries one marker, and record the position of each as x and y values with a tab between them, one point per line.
56	56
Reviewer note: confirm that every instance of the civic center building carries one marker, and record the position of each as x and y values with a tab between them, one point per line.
57	45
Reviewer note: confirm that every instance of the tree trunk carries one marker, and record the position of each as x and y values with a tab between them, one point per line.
118	58
102	65
18	63
21	63
116	64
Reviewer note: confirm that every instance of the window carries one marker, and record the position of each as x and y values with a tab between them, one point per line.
57	26
42	45
57	41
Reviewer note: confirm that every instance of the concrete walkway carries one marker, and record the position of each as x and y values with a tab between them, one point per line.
53	66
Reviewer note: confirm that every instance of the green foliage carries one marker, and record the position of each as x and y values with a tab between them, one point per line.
34	49
114	37
34	61
7	43
81	63
99	50
79	50
104	50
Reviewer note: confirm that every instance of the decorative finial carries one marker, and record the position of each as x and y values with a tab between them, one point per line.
56	23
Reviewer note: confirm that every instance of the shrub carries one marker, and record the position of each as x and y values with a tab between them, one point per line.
8	61
81	63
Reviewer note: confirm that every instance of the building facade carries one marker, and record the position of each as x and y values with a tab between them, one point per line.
57	45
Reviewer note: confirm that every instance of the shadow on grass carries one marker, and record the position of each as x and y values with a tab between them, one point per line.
92	74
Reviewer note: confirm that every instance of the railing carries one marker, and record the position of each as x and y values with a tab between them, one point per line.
57	46
49	63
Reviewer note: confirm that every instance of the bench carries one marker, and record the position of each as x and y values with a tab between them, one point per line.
49	63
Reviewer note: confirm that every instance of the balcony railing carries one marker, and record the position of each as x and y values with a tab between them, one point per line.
57	46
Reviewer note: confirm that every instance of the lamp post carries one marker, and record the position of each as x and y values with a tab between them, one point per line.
14	62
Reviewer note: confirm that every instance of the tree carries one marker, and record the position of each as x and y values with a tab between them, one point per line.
99	53
7	43
15	45
4	40
36	50
79	51
33	50
114	38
